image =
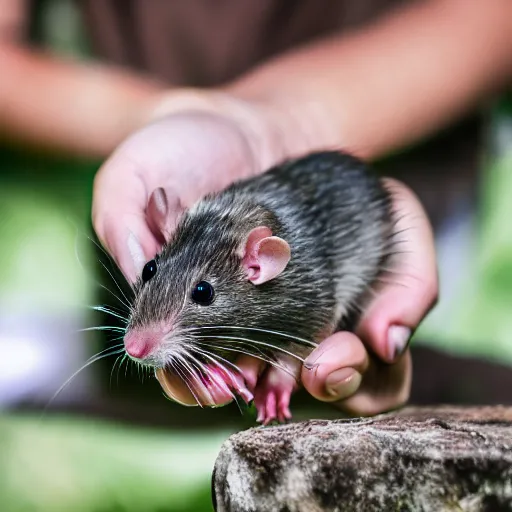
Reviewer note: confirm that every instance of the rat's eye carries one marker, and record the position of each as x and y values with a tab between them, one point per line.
203	293
148	271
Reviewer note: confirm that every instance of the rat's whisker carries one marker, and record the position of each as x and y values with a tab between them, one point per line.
112	370
255	329
178	368
254	342
87	273
128	361
209	375
113	295
217	359
262	355
117	338
112	263
126	306
190	365
117	285
97	357
208	345
104	328
104	309
119	368
168	393
251	354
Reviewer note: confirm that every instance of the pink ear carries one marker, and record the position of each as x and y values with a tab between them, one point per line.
265	256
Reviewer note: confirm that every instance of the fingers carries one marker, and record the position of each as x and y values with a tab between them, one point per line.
341	371
411	285
343	368
335	369
383	388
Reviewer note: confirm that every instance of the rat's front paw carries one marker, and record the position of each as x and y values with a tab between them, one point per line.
217	386
272	396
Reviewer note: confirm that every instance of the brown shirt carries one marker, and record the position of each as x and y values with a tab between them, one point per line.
207	42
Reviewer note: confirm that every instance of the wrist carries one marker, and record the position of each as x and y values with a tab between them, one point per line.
285	127
274	130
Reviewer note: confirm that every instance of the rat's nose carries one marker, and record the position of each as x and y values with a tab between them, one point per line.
140	344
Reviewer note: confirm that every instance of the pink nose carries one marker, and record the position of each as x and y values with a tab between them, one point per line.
140	344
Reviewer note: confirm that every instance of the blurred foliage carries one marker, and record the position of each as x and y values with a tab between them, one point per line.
478	321
62	464
45	209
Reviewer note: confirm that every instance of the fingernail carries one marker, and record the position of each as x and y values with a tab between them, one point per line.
161	204
398	339
246	395
343	382
136	253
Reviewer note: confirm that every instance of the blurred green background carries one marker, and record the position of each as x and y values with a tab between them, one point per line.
117	444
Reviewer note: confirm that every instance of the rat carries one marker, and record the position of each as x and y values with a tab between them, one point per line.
261	272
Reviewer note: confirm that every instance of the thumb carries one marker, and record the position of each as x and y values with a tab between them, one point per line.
119	215
411	286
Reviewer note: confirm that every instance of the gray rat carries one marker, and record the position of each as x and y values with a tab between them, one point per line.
268	268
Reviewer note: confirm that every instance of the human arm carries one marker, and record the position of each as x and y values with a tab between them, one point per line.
61	104
391	83
69	107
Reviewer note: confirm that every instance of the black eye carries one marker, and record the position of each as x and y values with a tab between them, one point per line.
203	293
148	271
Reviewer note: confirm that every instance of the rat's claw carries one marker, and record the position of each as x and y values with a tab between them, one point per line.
272	404
283	407
272	396
239	386
218	385
261	412
246	395
271	410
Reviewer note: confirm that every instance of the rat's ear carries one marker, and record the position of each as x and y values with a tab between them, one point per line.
264	256
163	212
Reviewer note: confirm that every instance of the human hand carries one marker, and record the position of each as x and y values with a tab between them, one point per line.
370	372
198	143
204	143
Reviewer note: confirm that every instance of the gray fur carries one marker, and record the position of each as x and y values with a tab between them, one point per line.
337	219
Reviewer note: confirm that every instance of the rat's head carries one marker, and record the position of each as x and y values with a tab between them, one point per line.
208	276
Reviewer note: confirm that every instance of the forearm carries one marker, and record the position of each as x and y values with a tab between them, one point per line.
66	106
391	84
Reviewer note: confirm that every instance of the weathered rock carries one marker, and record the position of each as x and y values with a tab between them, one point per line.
420	459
